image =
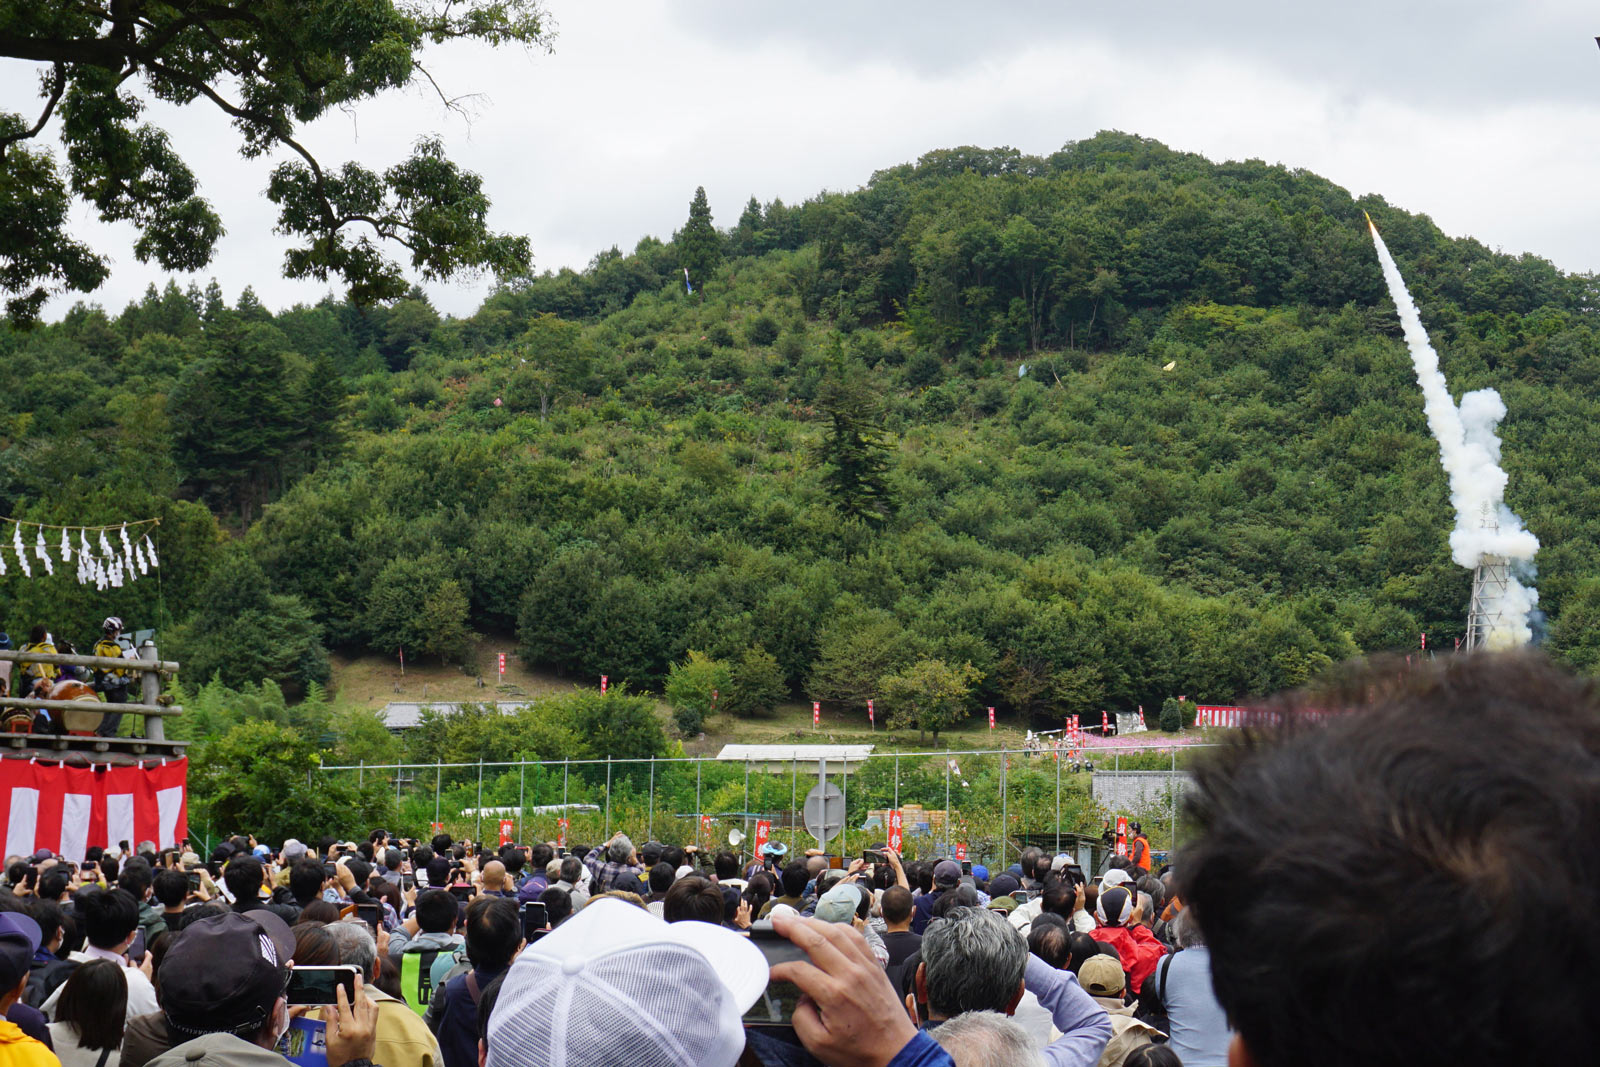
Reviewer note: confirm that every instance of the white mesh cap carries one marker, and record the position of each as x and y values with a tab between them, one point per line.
616	985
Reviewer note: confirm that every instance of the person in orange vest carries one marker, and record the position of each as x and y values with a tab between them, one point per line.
1139	848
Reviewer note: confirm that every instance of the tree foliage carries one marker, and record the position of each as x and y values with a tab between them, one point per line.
270	67
930	695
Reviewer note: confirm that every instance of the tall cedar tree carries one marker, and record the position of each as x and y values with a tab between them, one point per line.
854	453
699	243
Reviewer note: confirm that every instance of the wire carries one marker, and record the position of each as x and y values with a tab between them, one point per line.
97	529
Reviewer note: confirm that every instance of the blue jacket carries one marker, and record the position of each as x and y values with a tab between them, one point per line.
453	1018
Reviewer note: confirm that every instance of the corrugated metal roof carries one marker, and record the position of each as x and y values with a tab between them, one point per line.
803	753
403	714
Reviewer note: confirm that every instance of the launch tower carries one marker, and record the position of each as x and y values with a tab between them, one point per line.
1491	579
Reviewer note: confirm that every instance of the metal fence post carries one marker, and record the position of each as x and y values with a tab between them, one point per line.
608	798
477	835
947	804
844	822
438	776
399	769
522	794
1058	802
746	816
697	800
794	793
1005	763
1172	795
897	783
361	775
650	823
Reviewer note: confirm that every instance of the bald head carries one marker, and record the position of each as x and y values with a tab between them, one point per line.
494	876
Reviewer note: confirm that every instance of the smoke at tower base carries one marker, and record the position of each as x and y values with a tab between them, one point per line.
1469	448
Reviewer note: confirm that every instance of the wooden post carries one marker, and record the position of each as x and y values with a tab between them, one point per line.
154	730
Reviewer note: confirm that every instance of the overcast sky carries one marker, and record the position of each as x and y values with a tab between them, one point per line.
1485	116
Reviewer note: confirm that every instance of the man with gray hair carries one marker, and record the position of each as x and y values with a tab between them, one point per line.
573	877
402	1036
986	1039
611	862
973	960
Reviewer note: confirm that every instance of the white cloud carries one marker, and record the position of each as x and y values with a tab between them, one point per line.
604	141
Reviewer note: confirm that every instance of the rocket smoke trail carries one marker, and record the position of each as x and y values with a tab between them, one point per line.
1469	448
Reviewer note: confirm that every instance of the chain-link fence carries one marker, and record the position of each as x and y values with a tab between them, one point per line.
992	801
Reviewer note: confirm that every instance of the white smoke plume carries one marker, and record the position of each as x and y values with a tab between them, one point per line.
1469	449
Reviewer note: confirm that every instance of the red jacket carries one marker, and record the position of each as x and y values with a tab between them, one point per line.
1138	949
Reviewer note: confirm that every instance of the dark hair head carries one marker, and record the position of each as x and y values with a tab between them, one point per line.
108	915
360	870
392	858
571	869
421	856
661	876
515	859
557	904
1083	946
539	857
726	865
319	911
1152	1056
306	878
47	913
436	911
54	882
242	876
693	899
1445	793
95	1002
674	855
314	946
38	633
1058	898
171	887
494	931
136	877
1050	942
896	904
16	872
795	877
441	843
650	853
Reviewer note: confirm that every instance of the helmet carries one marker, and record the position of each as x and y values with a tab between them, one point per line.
111	623
1136	828
774	848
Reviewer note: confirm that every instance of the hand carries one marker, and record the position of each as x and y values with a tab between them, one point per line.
411	897
893	857
148	966
1138	915
741	918
855	865
815	852
352	1028
1077	897
347	881
849	1015
383	942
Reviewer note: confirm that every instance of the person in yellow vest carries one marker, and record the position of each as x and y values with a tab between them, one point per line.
32	672
112	684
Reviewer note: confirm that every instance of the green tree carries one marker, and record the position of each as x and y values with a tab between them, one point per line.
415	603
699	244
616	723
757	684
854	653
930	695
244	633
270	68
694	687
854	454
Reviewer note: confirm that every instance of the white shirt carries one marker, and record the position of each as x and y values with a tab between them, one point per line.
141	993
64	1038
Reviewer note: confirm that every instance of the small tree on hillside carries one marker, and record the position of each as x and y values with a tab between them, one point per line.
855	455
757	684
690	688
930	695
699	243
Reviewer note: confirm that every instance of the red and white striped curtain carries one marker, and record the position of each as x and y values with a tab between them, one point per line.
71	809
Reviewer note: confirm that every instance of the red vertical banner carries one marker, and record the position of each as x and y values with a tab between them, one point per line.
1424	642
1122	835
500	661
1105	724
895	828
961	851
763	834
438	827
705	829
561	833
816	713
713	700
870	718
991	718
506	826
603	682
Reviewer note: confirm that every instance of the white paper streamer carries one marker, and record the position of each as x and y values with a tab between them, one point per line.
22	558
127	546
116	573
43	552
99	575
150	547
138	552
2	564
105	546
66	548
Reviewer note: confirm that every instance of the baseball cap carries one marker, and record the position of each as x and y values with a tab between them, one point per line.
293	849
1101	976
682	872
1003	885
1114	877
1061	860
946	873
838	905
608	983
980	872
19	940
1007	904
41	855
226	972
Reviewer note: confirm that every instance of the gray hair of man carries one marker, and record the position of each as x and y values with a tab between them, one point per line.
972	960
1185	931
986	1039
621	850
1147	908
572	869
356	947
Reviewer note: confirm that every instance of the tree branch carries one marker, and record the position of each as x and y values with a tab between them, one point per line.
60	87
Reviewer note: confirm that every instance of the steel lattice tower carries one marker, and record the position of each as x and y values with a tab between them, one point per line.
1490	582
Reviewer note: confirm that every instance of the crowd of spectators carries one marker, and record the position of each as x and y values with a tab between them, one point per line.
1371	890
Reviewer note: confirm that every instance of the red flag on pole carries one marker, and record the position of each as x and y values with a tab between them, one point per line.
402	661
991	718
895	827
501	663
1122	835
505	831
1105	724
816	712
561	833
1424	642
603	681
763	832
869	713
961	851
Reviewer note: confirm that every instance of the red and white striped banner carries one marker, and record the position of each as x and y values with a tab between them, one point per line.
69	810
816	712
1219	716
991	718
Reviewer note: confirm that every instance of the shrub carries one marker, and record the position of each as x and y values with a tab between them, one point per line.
1172	715
761	330
688	720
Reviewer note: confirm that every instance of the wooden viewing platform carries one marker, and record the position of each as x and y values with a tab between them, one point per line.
84	751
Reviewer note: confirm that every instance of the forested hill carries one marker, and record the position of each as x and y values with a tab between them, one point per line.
1108	426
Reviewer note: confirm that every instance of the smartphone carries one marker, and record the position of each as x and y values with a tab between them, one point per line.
408	881
371	914
966	866
137	949
775	1006
1021	896
873	856
462	892
330	870
316	985
535	917
194	881
1075	875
